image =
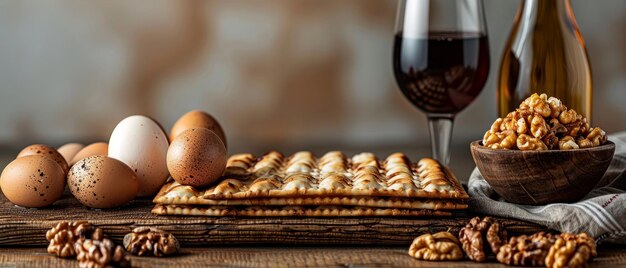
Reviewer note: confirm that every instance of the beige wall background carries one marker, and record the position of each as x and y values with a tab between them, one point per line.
276	73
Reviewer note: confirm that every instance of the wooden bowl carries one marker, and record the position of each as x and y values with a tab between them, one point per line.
542	177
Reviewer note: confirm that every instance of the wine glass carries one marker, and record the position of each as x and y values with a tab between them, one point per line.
441	61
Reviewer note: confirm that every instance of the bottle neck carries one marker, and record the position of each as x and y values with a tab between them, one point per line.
548	11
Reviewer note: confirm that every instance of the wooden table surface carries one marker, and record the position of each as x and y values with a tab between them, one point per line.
282	256
27	227
207	241
22	243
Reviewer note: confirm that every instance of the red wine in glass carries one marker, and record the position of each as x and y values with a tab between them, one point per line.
441	73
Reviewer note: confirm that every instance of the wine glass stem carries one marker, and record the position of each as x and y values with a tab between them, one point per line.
440	136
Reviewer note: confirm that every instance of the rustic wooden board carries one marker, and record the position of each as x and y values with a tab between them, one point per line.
27	227
282	256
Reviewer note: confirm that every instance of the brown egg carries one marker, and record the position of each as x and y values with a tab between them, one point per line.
32	181
196	157
98	148
68	151
197	119
46	151
102	182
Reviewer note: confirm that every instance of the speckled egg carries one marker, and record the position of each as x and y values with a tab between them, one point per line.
197	119
196	157
102	182
32	181
141	143
98	148
45	151
68	151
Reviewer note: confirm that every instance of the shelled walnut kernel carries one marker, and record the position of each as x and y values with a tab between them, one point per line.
526	250
441	246
543	123
571	250
144	241
479	238
567	143
63	236
100	254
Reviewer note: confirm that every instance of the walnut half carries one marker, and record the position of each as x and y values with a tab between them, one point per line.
529	143
63	236
144	241
526	250
538	104
441	246
571	250
100	254
478	233
500	140
568	143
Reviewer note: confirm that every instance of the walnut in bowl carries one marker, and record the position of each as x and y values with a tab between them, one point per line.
542	153
543	123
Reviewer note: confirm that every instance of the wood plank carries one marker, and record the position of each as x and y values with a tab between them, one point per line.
27	227
292	256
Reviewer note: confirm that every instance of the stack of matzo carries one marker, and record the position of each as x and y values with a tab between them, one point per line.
328	186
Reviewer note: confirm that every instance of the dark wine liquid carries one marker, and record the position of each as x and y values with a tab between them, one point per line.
441	73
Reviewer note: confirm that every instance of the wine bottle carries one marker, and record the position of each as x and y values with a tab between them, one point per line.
545	53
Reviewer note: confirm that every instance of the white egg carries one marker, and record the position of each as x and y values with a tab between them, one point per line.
141	144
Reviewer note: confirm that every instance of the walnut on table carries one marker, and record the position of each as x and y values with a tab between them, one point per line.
571	250
479	238
441	246
63	236
145	241
526	250
100	254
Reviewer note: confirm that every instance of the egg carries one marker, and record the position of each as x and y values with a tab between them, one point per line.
140	142
68	151
102	182
197	119
32	181
98	148
45	151
196	157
